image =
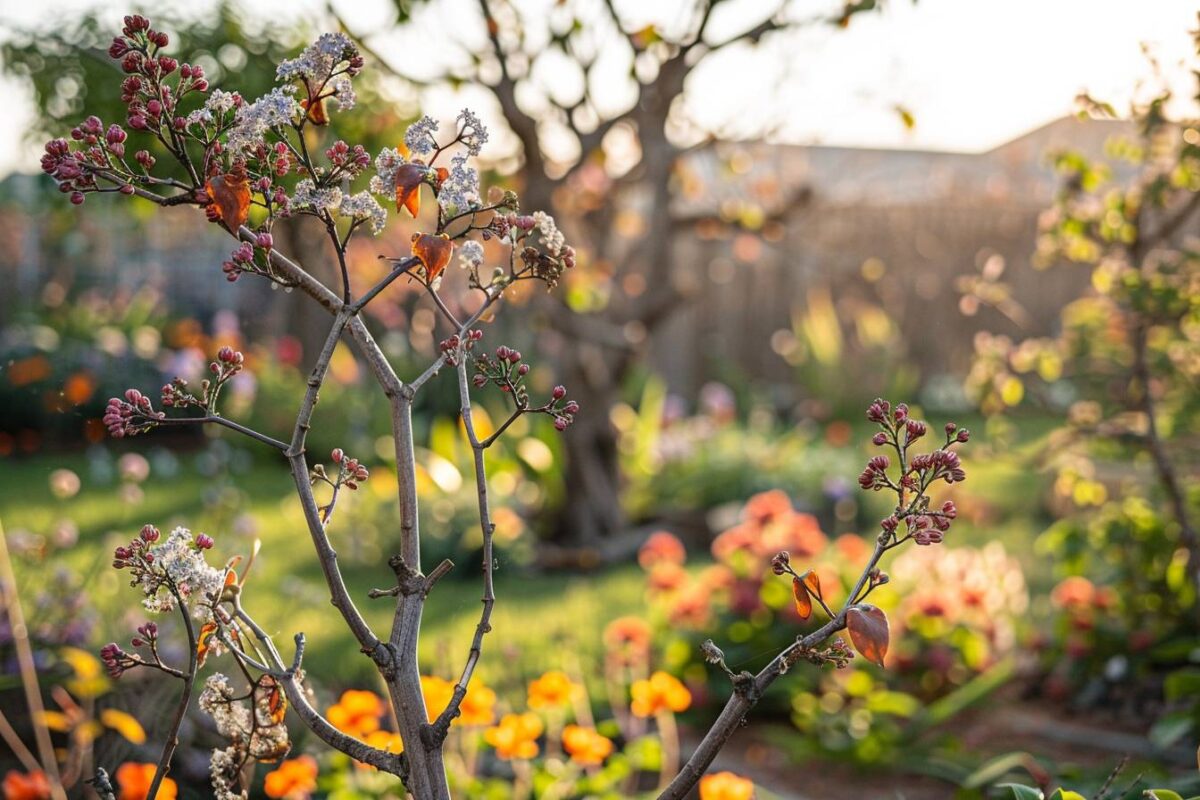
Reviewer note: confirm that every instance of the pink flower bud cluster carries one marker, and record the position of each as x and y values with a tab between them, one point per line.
350	472
899	431
347	161
508	372
874	476
130	416
116	661
147	635
150	101
451	347
241	260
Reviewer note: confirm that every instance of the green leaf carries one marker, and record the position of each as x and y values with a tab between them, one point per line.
996	768
1022	792
1171	728
1163	794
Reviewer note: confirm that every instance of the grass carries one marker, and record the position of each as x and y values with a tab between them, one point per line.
286	591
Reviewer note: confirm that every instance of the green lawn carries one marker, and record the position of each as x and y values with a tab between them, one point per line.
286	591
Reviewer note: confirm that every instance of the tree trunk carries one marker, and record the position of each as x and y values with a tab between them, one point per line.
592	500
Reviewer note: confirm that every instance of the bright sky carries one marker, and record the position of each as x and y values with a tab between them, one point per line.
974	73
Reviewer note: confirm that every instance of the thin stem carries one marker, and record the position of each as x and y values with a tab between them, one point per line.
401	267
216	419
189	680
442	725
28	669
327	556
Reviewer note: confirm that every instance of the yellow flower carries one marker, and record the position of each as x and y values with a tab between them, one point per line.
726	786
662	692
515	736
357	713
552	690
478	705
293	779
585	745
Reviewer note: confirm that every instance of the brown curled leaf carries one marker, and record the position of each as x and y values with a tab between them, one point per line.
433	251
230	196
803	599
868	627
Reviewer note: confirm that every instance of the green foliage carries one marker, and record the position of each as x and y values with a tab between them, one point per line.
1124	368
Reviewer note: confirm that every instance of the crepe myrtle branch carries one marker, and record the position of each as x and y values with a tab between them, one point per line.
866	624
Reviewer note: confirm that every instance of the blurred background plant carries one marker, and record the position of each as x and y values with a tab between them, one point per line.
808	272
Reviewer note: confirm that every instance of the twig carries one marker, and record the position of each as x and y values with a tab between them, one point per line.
216	419
441	726
189	680
25	662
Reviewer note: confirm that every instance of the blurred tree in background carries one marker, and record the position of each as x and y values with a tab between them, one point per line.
597	101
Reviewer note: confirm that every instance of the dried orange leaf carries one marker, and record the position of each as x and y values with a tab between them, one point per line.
230	195
813	582
433	251
202	642
276	702
868	627
409	178
803	599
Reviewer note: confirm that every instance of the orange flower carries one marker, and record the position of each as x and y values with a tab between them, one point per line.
586	746
1074	593
661	546
478	705
690	608
356	713
515	736
853	548
552	690
293	779
438	692
134	782
666	577
726	786
628	639
386	740
26	786
662	692
767	506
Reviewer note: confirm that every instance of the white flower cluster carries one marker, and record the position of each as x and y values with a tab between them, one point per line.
225	771
318	60
419	137
184	564
272	110
216	106
230	716
257	737
460	191
364	206
307	195
552	237
470	255
343	92
472	131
